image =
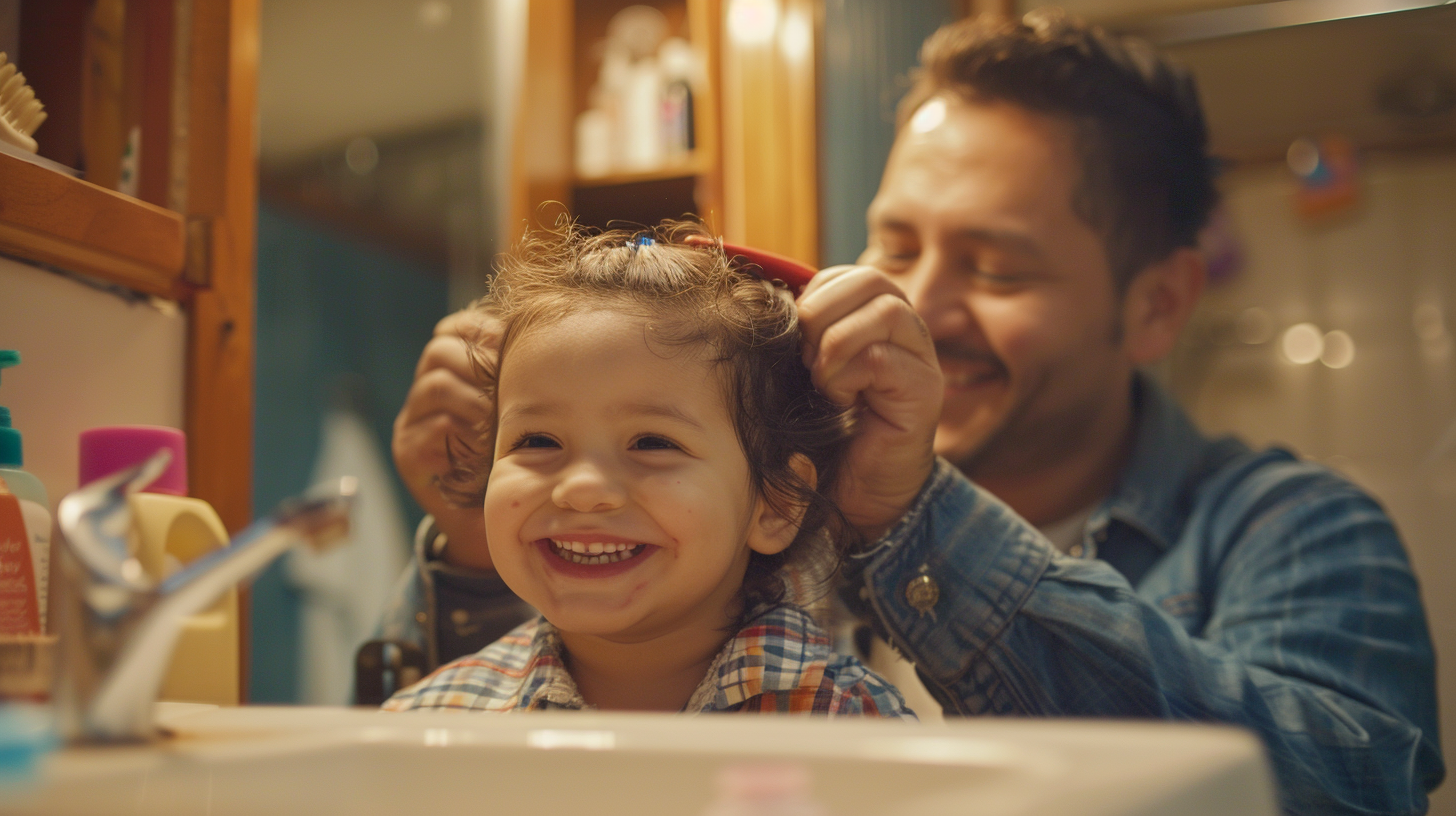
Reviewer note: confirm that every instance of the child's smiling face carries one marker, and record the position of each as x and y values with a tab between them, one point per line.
627	451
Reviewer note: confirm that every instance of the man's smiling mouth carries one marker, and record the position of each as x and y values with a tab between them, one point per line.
595	553
970	379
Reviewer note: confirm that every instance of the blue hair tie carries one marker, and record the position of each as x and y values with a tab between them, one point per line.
641	241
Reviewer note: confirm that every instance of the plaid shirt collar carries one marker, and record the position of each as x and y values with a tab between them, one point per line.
781	655
781	650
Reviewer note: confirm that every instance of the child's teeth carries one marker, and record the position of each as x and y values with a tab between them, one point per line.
595	553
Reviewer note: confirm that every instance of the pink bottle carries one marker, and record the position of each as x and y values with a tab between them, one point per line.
170	529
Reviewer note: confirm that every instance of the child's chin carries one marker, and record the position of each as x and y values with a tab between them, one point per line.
600	623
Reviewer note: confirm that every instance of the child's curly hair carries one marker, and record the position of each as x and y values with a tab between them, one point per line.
691	295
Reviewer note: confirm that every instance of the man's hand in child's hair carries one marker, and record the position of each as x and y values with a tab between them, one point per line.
865	346
446	400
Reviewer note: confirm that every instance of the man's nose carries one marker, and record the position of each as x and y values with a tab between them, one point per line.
588	486
938	295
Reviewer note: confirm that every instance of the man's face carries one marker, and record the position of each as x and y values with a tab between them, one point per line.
974	220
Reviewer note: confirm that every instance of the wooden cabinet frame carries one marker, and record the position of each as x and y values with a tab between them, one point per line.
199	252
220	206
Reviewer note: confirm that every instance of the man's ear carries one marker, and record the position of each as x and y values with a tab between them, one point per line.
1158	303
775	524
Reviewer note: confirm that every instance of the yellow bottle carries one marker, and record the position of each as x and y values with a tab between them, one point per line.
169	530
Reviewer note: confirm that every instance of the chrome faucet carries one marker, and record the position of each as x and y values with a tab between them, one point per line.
118	626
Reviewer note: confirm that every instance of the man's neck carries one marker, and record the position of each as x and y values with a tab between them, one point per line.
657	674
1052	492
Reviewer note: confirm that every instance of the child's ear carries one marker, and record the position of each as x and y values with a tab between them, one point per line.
773	528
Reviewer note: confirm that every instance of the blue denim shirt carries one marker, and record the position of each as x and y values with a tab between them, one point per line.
1227	585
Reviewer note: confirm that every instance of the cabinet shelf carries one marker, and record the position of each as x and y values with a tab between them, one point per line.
51	218
680	170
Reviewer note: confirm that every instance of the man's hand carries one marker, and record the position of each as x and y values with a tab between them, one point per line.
446	400
865	346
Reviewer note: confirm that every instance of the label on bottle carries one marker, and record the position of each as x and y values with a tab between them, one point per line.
38	528
19	602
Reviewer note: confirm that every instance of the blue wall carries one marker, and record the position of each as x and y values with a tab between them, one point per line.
330	311
870	46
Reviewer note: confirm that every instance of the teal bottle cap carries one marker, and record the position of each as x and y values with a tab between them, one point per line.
11	453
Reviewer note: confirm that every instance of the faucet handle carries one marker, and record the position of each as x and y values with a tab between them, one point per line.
116	644
95	520
318	518
321	514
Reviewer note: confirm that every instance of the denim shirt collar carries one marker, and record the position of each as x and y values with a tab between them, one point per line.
1167	452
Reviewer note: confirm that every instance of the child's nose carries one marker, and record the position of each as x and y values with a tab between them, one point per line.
587	487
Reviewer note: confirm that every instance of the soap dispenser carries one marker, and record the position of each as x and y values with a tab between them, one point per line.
169	530
35	518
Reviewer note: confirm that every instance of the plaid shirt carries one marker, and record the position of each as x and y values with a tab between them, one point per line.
779	662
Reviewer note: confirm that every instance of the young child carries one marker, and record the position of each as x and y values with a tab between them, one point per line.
657	490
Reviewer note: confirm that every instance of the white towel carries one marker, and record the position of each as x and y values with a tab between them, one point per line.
345	588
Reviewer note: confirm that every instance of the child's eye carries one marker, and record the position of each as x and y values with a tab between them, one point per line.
653	443
534	441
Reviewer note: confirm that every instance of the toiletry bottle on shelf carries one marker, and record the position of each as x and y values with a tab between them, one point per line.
34	541
169	530
679	71
26	651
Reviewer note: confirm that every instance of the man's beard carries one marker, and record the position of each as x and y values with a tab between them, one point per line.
967	461
964	352
1020	439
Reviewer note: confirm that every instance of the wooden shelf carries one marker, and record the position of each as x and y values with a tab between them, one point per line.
754	176
54	219
562	63
671	171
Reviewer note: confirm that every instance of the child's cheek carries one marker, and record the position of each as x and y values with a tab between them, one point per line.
505	505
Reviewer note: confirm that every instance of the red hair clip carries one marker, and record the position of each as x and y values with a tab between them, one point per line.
771	267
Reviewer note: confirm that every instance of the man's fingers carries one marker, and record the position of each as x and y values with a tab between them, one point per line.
824	276
475	325
451	352
838	292
885	319
885	375
438	391
424	442
462	341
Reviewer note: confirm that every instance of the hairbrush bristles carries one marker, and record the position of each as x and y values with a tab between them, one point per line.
20	112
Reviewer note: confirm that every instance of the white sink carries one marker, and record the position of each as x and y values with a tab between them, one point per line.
280	761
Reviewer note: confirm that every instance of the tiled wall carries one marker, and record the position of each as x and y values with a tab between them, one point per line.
334	316
1385	274
88	358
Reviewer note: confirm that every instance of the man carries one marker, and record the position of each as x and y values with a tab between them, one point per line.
1051	535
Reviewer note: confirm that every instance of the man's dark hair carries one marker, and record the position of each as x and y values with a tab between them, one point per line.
1147	180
